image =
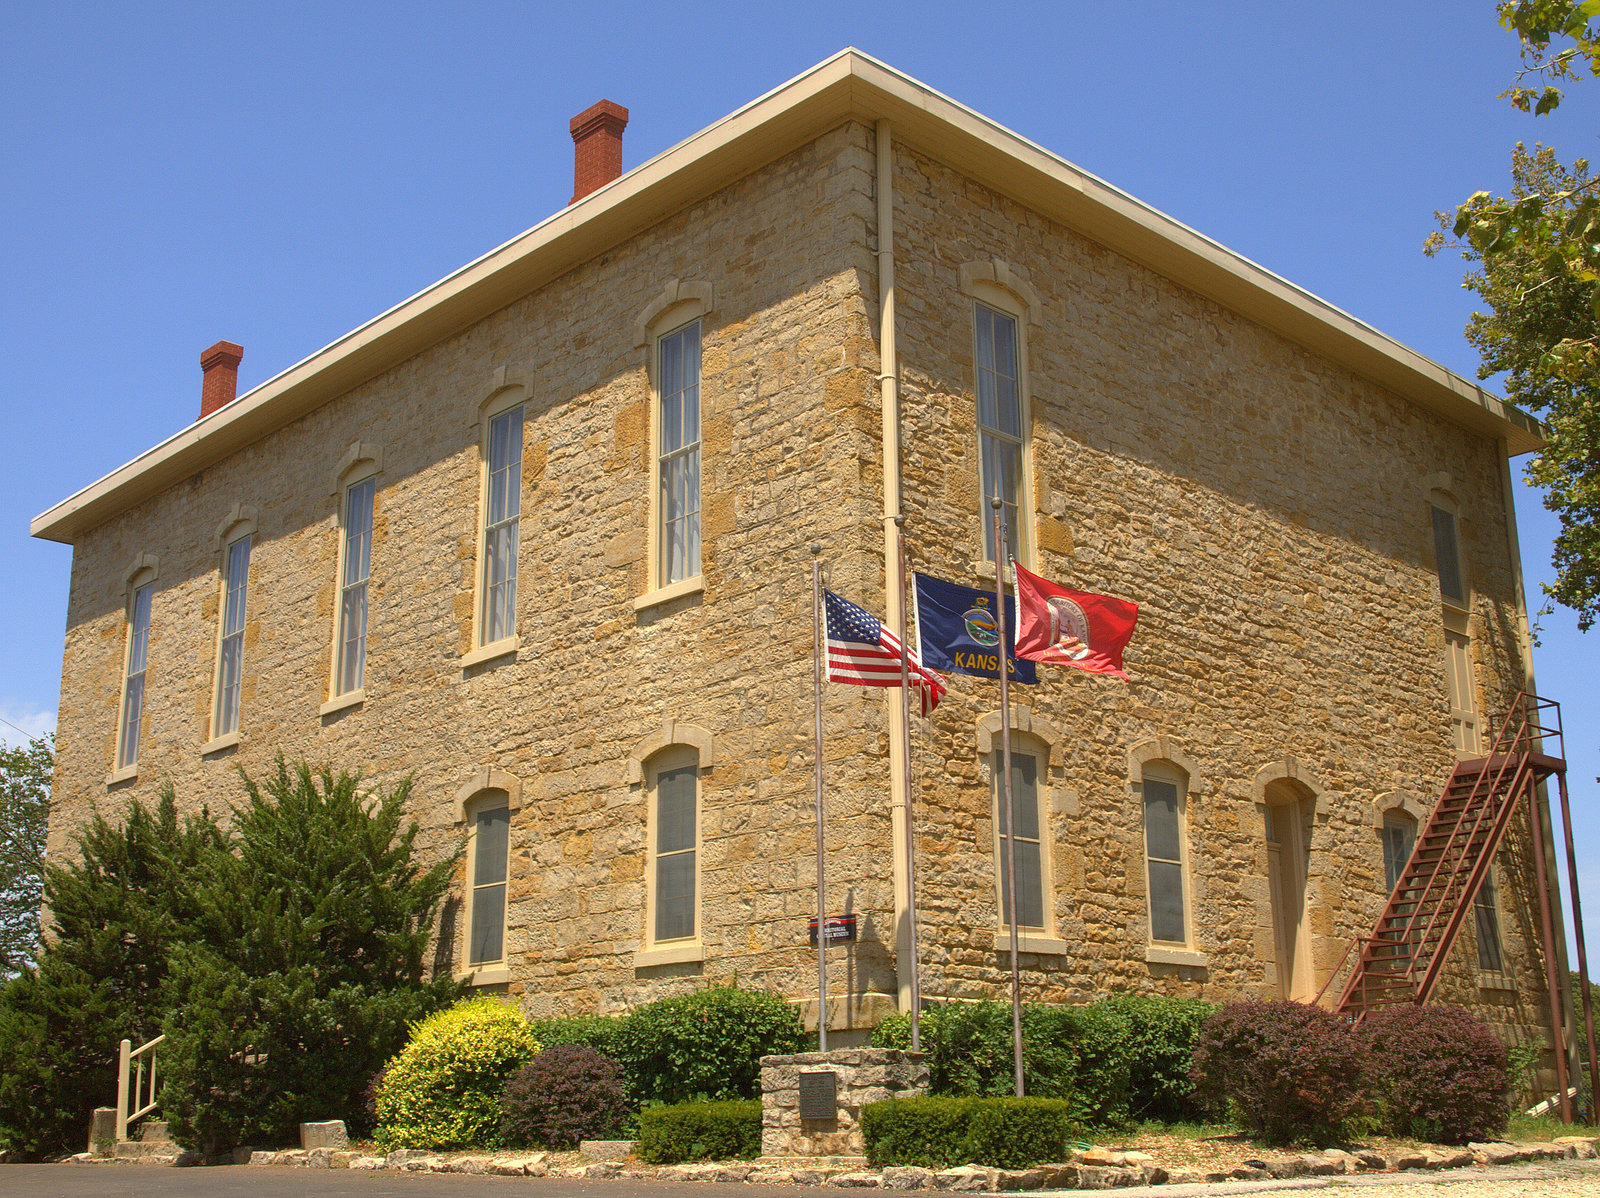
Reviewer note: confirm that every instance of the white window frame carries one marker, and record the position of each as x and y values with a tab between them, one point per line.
139	586
238	528
1403	823
1172	775
687	448
669	759
489	789
1037	738
1165	757
995	284
1022	746
672	745
507	390
488	971
362	462
679	304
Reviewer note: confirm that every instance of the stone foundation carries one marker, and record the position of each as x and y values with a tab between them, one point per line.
863	1075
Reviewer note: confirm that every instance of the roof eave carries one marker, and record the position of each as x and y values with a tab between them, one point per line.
848	85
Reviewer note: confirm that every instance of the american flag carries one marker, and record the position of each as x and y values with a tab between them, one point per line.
862	651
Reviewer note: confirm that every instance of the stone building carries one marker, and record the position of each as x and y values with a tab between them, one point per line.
539	534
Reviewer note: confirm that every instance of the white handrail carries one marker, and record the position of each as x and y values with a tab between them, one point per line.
133	1083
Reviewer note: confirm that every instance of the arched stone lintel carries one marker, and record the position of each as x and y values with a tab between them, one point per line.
675	292
1289	769
360	453
239	513
1001	274
1407	801
672	732
1024	721
140	563
488	778
1163	748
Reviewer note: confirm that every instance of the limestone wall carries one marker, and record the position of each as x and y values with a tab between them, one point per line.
1267	509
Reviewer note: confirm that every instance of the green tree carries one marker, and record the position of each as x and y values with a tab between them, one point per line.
118	911
1538	257
309	961
24	814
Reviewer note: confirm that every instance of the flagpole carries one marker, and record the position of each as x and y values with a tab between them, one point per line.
822	898
1005	782
911	852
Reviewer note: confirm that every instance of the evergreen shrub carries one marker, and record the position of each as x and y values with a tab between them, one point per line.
1437	1073
1157	1035
1081	1054
935	1133
705	1044
565	1094
700	1131
598	1032
1287	1071
443	1089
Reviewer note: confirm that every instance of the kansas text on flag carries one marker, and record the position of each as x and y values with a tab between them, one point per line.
863	652
957	631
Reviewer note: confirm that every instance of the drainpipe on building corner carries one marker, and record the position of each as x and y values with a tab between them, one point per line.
894	582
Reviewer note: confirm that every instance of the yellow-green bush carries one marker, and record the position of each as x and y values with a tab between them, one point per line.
443	1089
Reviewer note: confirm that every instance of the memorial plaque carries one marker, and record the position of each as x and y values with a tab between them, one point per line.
819	1095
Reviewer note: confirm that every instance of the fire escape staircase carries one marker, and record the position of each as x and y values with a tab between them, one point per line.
1402	960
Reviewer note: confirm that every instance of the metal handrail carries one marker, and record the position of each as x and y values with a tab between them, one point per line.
134	1084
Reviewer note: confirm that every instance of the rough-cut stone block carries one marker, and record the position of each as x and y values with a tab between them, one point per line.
1408	1160
607	1150
856	1181
1371	1160
366	1162
1112	1177
965	1179
400	1157
103	1130
907	1177
329	1134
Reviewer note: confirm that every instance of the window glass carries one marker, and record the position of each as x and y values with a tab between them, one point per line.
1399	837
680	454
133	682
231	655
1030	864
1447	553
1487	910
489	857
1164	857
502	523
352	639
676	823
1000	432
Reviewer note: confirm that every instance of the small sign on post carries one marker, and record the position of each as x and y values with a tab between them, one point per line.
840	929
819	1095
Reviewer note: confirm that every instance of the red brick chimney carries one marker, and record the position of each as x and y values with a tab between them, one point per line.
597	156
221	382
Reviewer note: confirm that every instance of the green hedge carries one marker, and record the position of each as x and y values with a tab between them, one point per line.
700	1131
1116	1060
936	1133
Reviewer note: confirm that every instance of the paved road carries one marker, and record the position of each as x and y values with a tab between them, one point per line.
1561	1179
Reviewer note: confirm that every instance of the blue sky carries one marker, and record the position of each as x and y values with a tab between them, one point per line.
172	175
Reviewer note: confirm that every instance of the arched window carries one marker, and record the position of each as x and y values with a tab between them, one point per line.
357	490
139	593
668	765
235	538
485	805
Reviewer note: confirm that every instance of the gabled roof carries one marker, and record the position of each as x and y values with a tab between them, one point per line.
848	85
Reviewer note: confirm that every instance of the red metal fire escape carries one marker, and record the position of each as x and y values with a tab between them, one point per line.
1402	960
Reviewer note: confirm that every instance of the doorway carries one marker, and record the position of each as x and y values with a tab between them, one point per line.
1287	811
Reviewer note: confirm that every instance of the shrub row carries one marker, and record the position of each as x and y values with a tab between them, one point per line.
1292	1072
475	1076
1117	1060
700	1131
935	1133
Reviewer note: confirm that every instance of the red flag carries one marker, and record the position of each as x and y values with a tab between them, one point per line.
1072	628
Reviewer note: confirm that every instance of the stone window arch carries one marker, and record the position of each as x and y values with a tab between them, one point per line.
484	804
669	765
1165	782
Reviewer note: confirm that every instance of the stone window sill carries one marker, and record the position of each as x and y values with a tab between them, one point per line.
226	741
126	774
349	699
485	975
1030	942
1155	954
672	954
500	648
673	590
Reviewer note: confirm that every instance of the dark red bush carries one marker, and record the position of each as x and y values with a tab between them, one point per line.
1437	1073
1285	1070
565	1094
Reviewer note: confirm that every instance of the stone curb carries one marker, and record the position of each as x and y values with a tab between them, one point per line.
1097	1169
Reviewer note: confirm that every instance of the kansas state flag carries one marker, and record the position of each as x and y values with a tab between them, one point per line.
957	631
